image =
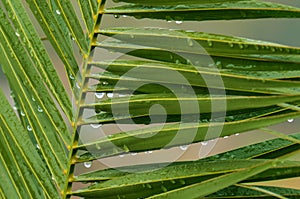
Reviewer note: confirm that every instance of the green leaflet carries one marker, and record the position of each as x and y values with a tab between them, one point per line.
174	2
33	45
187	104
66	10
20	160
164	136
56	36
221	61
133	74
42	116
149	183
86	8
243	192
182	41
227	10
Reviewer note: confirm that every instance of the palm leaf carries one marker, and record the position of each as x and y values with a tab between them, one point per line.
231	85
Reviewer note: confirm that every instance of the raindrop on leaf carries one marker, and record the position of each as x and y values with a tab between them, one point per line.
99	95
184	147
95	126
290	120
29	128
87	164
40	109
57	12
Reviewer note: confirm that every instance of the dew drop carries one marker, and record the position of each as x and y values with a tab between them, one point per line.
40	109
98	146
18	35
231	45
87	164
164	189
178	22
110	95
77	85
15	108
291	120
225	137
117	16
241	46
22	113
133	154
122	95
33	99
71	76
237	134
149	186
38	146
184	147
29	128
204	143
121	156
95	126
57	12
209	43
182	181
99	95
190	42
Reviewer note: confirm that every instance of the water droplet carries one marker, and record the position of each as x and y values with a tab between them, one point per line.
29	128
98	146
209	43
177	61
182	181
87	164
33	99
122	95
121	156
71	76
22	113
95	126
57	12
241	46
99	95
169	21
117	16
40	109
126	149
173	181
178	22
15	108
204	143
110	95
77	85
231	45
133	154
291	120
105	83
38	146
184	147
190	42
18	35
124	16
164	189
225	137
273	49
237	134
131	36
149	186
